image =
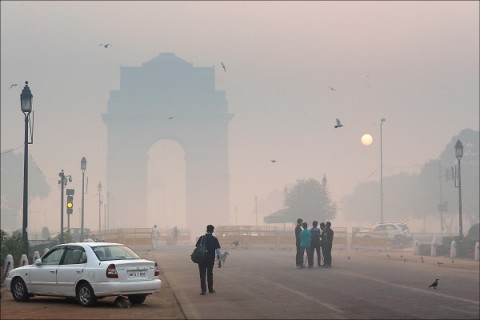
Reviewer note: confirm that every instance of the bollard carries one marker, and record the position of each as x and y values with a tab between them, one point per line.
453	250
36	255
45	251
8	266
23	260
416	248
433	249
477	251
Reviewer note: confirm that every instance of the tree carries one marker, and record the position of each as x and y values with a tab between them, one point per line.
12	187
307	199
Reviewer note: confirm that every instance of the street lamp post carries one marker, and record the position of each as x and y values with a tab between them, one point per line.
63	183
381	169
26	106
99	206
83	166
459	155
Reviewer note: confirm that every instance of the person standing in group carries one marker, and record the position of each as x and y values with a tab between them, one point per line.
322	235
315	243
298	229
327	242
175	235
206	267
305	238
155	236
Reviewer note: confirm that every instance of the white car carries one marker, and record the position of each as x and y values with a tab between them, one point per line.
392	231
87	271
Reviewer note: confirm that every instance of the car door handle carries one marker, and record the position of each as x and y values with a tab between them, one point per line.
78	271
52	271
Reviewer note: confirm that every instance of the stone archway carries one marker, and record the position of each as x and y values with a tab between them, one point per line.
168	98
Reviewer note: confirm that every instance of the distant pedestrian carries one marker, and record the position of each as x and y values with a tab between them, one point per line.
298	229
305	239
315	243
327	242
155	236
175	235
206	268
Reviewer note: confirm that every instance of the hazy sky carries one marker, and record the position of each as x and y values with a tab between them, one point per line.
414	63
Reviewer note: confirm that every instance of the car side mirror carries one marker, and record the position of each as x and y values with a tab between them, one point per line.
38	262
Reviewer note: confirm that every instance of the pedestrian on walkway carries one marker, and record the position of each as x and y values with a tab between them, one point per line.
298	229
155	236
305	238
205	268
315	243
327	242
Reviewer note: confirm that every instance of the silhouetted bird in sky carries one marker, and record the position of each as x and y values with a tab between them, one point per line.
170	118
273	161
434	284
339	124
104	45
333	89
13	85
388	256
223	66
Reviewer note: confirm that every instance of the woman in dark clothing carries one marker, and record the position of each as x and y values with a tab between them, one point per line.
206	267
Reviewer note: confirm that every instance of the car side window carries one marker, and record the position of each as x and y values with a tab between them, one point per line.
73	255
53	257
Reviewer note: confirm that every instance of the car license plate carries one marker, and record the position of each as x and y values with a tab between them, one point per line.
137	274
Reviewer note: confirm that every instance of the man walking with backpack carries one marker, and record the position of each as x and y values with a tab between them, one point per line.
206	266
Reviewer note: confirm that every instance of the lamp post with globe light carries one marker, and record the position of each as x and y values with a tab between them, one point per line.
26	107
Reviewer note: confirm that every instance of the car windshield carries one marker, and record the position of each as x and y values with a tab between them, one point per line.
114	252
403	227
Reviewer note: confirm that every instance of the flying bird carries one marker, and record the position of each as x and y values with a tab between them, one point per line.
273	161
388	256
223	66
104	45
170	118
13	85
434	284
333	89
339	124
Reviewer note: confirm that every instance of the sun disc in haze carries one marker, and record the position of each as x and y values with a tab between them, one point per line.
367	139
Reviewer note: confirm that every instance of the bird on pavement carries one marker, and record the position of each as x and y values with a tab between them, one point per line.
434	284
224	69
348	257
439	263
422	259
405	259
388	256
453	261
339	124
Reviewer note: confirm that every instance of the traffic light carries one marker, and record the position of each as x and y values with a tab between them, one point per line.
70	193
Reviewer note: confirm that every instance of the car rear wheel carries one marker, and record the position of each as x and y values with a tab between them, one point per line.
19	290
137	298
85	295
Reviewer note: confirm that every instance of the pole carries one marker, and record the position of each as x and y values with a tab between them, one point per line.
99	212
256	211
25	191
440	206
460	222
62	185
83	204
381	170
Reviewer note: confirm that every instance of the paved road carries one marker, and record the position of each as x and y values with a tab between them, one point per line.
263	284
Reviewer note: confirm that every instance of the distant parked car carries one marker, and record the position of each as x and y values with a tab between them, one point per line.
87	271
395	232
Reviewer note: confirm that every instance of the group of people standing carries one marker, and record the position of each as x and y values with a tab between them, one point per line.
313	240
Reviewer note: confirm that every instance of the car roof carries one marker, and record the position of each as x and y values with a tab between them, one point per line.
90	244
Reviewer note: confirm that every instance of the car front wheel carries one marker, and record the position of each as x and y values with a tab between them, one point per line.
137	298
85	295
19	290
